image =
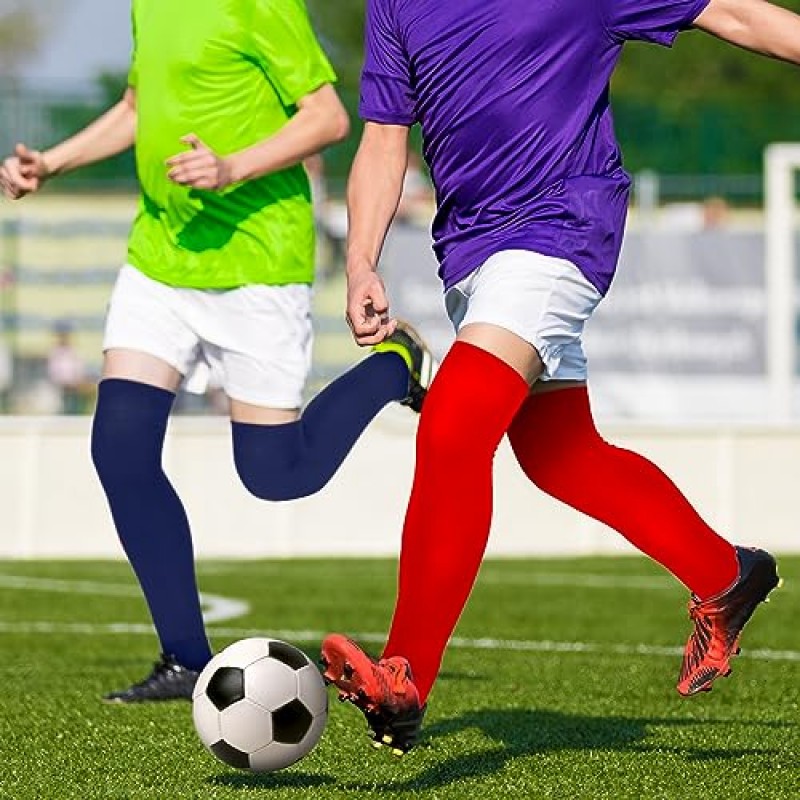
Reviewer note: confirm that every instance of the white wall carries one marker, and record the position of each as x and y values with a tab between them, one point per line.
743	479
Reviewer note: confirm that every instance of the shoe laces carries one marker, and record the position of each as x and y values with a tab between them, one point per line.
162	670
700	639
163	666
392	674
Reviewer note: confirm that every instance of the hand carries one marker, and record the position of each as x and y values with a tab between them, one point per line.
368	309
22	173
200	167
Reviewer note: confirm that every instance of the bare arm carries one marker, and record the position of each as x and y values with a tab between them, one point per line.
320	121
373	194
109	134
754	25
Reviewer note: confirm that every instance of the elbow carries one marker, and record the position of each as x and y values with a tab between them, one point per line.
339	126
326	118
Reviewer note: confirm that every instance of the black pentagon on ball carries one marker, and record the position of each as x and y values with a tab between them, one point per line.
230	755
226	687
290	723
289	655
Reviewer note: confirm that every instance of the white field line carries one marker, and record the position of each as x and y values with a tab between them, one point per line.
579	580
517	577
215	607
459	643
222	609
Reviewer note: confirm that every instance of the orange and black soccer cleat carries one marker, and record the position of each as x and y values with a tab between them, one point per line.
718	621
383	690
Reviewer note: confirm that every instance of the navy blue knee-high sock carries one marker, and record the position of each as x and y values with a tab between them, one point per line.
284	462
127	440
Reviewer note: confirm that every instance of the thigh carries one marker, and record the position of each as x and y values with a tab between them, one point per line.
260	348
541	300
502	343
145	338
132	365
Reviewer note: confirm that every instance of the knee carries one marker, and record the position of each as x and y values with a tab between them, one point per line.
127	434
121	452
253	480
270	462
452	430
266	484
440	436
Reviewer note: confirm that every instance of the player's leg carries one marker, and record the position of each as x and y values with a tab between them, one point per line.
265	360
145	352
558	446
479	388
471	402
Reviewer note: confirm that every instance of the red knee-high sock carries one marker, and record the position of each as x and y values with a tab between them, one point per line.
467	411
560	450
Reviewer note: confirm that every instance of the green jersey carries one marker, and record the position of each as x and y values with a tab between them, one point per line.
230	71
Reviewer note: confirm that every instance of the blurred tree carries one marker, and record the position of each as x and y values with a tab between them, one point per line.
705	107
68	117
701	69
23	26
340	27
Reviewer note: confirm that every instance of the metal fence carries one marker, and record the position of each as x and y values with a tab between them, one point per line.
59	257
683	333
679	161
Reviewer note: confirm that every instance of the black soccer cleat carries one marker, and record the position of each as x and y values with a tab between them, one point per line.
410	346
169	680
718	621
400	731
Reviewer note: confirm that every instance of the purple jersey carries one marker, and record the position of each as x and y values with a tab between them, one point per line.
512	98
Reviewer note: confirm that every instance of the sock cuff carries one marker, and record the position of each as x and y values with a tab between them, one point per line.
491	367
385	348
247	431
472	388
554	418
125	386
570	399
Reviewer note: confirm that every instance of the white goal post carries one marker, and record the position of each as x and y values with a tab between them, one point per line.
781	162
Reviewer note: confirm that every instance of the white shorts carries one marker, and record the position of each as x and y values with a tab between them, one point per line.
544	300
254	342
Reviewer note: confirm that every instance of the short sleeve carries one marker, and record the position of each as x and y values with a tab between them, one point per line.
387	94
284	44
657	21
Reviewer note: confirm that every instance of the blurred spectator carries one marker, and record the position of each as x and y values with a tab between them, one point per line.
715	212
330	233
417	203
315	167
6	375
67	370
709	214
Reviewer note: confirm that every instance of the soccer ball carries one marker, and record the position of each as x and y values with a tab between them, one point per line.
260	704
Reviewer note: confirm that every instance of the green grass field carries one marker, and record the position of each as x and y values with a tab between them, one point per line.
560	684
